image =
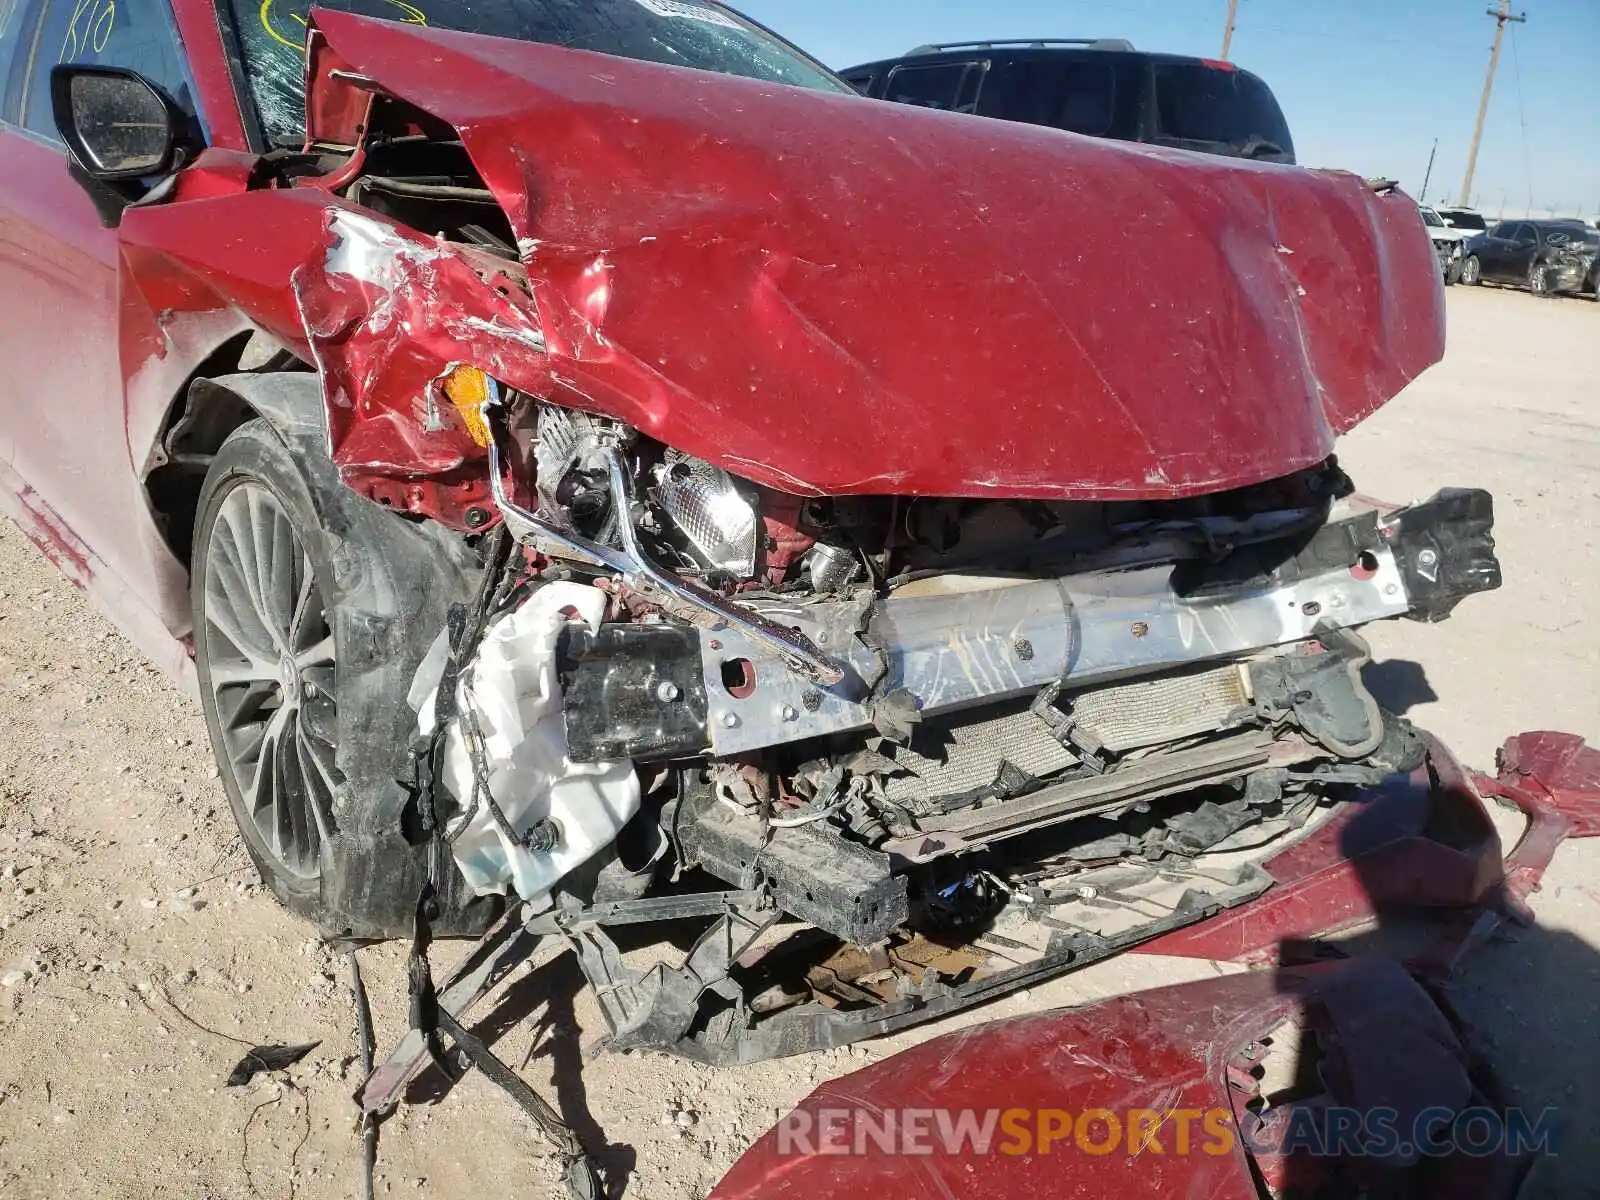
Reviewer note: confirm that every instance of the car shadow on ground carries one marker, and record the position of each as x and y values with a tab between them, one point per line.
1525	1000
1398	684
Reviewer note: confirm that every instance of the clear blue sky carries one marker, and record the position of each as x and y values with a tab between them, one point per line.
1366	84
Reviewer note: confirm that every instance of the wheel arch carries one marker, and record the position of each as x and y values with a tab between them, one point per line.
387	584
217	398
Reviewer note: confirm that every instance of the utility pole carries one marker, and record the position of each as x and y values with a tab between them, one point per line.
1233	19
1501	15
1427	175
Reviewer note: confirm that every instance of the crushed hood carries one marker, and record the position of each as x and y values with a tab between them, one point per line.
828	294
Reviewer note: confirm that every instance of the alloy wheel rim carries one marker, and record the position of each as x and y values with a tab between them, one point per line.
270	663
1469	270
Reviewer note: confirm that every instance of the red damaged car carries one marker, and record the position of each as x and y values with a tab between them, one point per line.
598	469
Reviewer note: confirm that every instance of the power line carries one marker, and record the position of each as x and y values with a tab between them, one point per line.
1367	39
1501	16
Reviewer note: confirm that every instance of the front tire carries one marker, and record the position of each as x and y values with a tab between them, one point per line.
312	609
1452	272
267	663
1539	279
1471	271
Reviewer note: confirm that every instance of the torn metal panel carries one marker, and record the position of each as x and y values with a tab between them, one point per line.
387	314
1554	778
1561	768
827	295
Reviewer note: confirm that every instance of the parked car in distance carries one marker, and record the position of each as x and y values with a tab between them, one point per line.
1100	87
1546	257
1446	241
1469	219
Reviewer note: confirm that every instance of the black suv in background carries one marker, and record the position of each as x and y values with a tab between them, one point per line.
1103	88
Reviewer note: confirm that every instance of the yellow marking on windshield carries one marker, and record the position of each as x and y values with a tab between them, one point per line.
412	14
409	14
266	23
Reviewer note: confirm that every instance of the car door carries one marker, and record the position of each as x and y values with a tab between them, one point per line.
1491	249
68	478
1519	251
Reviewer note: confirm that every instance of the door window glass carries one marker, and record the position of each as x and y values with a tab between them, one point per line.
1078	95
137	34
13	15
1203	106
861	81
948	86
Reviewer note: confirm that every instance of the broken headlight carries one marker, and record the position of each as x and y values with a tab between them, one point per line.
704	520
717	520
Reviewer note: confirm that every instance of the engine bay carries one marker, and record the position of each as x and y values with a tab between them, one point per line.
891	756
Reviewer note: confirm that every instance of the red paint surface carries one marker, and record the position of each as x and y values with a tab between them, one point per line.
208	65
818	292
1554	778
1561	768
1174	1048
65	425
830	295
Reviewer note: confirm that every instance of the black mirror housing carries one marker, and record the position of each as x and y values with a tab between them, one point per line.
116	123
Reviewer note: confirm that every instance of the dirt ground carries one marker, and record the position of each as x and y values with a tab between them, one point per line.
138	956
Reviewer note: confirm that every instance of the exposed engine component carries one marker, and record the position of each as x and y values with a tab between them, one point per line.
1023	730
527	813
832	568
639	570
570	472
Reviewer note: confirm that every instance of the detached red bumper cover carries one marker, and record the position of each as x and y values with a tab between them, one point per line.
1152	1094
827	294
1372	1040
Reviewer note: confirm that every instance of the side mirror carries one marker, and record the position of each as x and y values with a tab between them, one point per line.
121	130
117	124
